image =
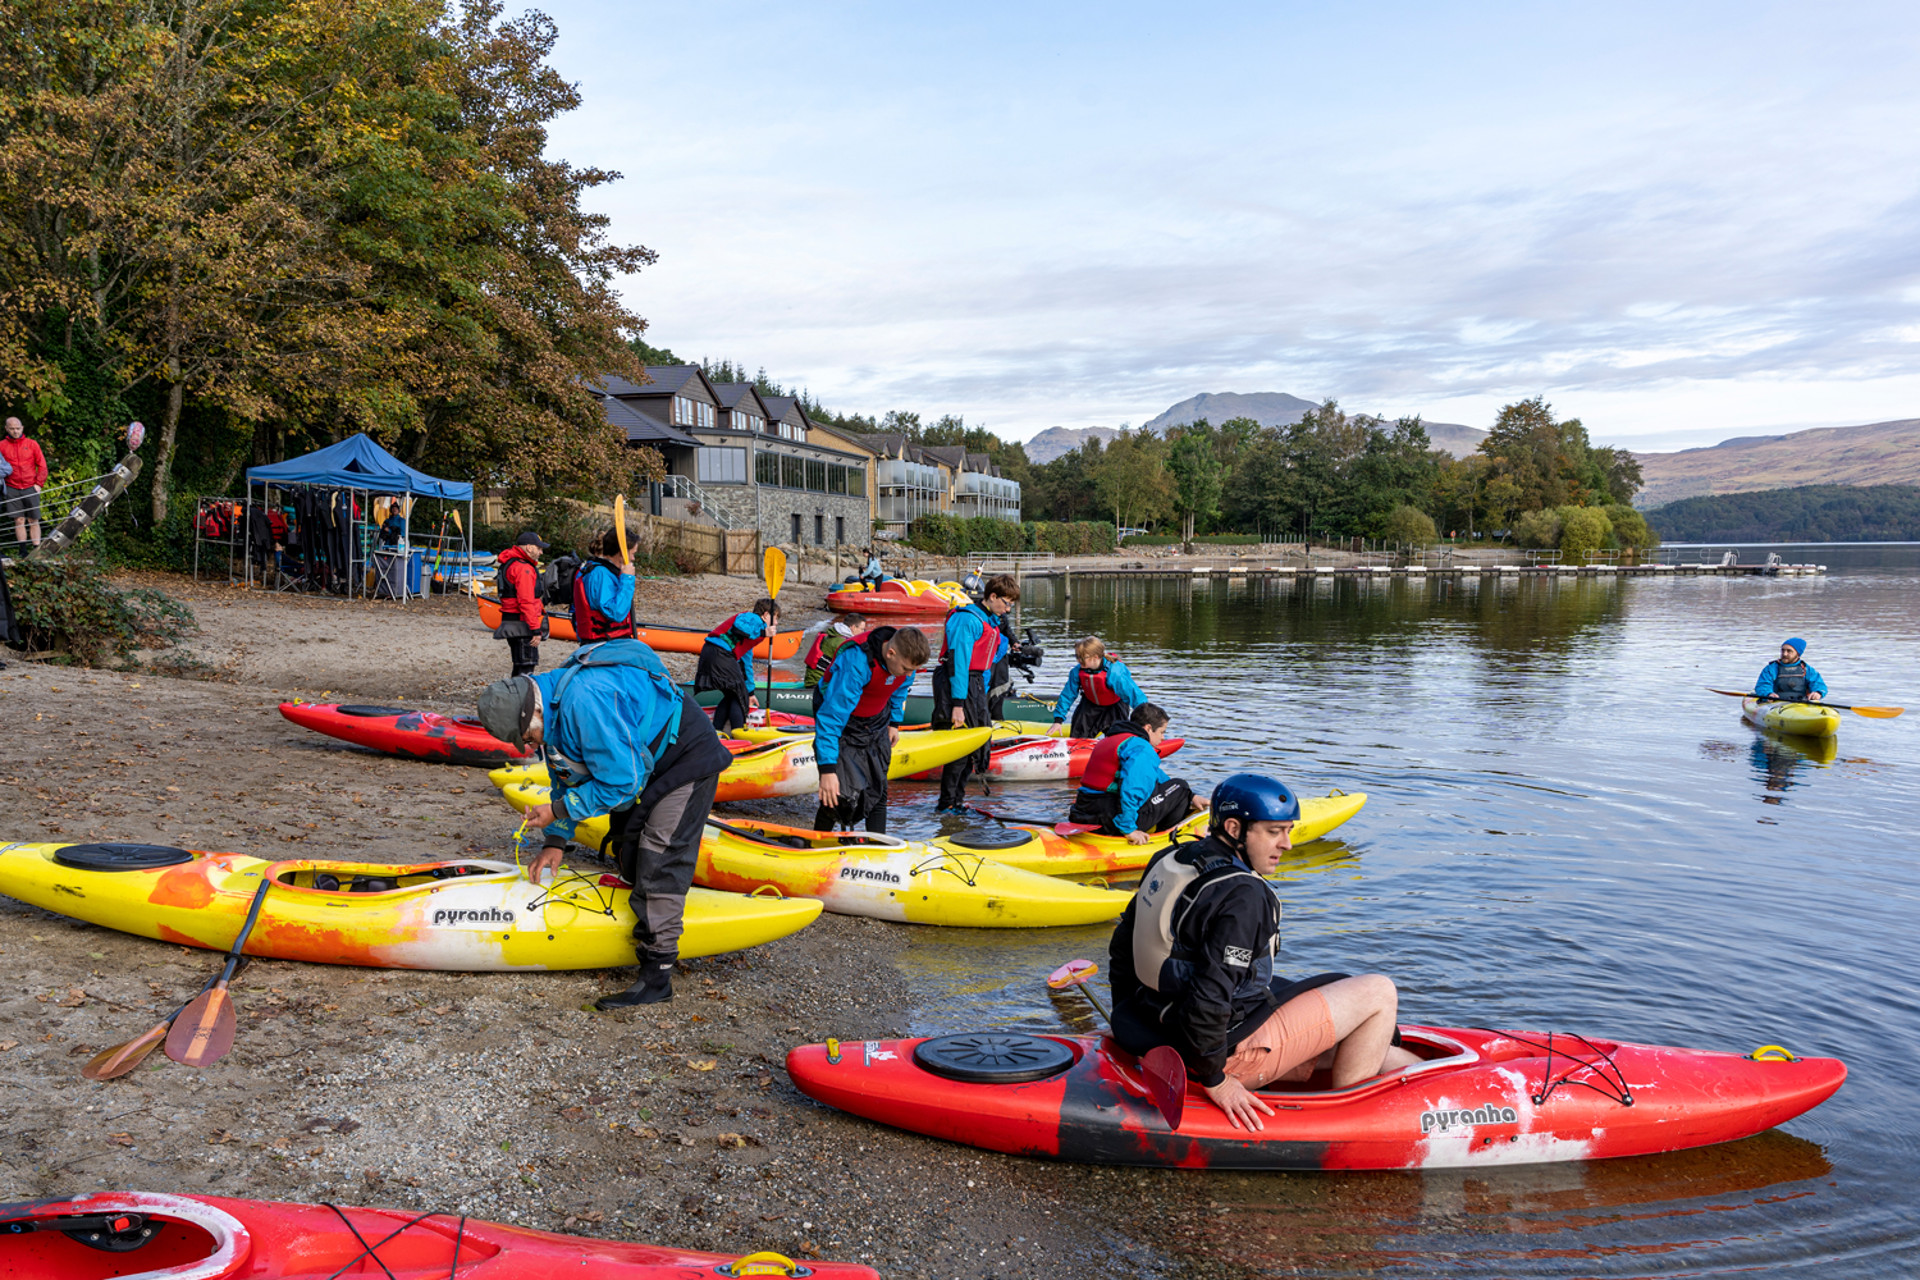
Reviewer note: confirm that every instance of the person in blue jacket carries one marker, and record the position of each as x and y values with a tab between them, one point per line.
973	644
603	591
1103	688
620	738
1790	679
726	661
863	701
1124	791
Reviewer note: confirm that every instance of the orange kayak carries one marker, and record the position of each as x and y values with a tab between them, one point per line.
661	639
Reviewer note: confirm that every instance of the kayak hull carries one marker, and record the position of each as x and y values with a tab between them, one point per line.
419	735
1053	854
189	1237
661	639
1801	719
470	914
1020	757
1481	1099
797	699
898	598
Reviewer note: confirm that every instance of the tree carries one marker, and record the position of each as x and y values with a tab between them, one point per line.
1064	489
1197	473
1630	528
1583	529
1132	479
1409	526
1538	528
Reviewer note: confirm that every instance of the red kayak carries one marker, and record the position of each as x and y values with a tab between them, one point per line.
892	599
1479	1098
136	1234
1038	758
423	735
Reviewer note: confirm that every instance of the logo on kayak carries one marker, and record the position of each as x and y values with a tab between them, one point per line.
879	875
458	916
1443	1120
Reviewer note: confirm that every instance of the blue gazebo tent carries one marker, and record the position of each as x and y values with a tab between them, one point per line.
359	463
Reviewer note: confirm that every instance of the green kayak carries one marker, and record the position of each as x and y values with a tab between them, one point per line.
796	699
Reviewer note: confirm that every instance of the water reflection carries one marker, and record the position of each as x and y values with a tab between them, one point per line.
1776	758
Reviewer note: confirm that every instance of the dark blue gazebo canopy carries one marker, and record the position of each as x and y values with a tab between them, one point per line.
358	463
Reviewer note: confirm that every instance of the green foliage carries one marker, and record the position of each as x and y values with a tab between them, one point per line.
1539	528
1198	475
1809	513
1551	463
1582	529
1203	539
978	535
1410	526
1064	488
68	607
1070	537
1630	528
1331	474
1132	479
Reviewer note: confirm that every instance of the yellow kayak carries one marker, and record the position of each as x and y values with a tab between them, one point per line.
787	768
466	914
1036	848
1804	719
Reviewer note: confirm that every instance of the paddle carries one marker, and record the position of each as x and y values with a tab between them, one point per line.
114	1062
1058	828
203	1031
1872	713
773	571
1163	1069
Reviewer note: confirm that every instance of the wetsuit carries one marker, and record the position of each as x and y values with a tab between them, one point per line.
859	702
722	667
523	618
972	645
1097	699
1124	789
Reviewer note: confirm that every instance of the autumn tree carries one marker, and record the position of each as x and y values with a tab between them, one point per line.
1133	480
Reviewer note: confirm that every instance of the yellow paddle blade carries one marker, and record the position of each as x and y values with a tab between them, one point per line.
773	569
620	526
1877	713
456	521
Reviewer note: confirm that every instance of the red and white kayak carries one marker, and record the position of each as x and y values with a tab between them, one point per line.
423	735
145	1235
1478	1098
1038	758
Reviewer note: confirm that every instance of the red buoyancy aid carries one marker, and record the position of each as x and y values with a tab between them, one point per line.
1093	687
881	684
985	648
741	647
589	624
1103	765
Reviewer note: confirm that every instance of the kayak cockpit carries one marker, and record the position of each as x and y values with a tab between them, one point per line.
333	877
120	1235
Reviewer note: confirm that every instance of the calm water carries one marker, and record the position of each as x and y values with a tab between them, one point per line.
1565	831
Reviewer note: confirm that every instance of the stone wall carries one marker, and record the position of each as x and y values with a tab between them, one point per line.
777	507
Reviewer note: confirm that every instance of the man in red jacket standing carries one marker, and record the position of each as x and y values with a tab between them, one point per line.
523	620
20	493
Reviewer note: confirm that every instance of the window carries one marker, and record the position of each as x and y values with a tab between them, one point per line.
796	528
766	468
747	422
721	466
836	478
792	431
688	412
857	481
819	531
816	476
793	472
839	531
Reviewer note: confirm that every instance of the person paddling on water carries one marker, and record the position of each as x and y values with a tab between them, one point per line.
1124	791
857	718
973	644
1103	688
620	738
1192	966
725	663
603	591
1790	679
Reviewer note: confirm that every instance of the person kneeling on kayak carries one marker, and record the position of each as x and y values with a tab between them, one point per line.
603	591
1103	688
857	721
620	738
1192	965
1124	791
1790	679
726	666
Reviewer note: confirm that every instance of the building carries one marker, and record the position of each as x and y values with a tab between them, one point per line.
912	480
744	461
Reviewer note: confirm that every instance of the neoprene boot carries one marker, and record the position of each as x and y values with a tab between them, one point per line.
655	985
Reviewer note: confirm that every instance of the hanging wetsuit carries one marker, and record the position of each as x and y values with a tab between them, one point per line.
857	704
723	660
1097	699
1124	789
973	643
602	602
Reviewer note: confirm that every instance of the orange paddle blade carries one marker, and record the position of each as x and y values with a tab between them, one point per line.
1072	973
203	1034
110	1064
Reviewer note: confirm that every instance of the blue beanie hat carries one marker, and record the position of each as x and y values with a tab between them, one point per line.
1798	646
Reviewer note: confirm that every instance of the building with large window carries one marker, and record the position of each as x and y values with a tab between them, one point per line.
912	480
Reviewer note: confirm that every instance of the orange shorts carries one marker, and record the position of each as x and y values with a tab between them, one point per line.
1297	1032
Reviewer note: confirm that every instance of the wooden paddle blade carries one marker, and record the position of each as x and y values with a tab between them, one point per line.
203	1033
1072	973
1166	1075
110	1064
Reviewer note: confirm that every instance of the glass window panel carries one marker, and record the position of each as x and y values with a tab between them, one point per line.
816	476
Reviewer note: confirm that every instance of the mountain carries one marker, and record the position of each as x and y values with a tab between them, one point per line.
1055	441
1879	453
1278	409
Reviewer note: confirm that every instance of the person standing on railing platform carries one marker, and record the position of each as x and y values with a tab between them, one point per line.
20	491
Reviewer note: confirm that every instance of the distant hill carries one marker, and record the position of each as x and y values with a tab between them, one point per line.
1811	513
1055	441
1881	453
1278	409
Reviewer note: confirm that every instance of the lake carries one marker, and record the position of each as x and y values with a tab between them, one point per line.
1566	831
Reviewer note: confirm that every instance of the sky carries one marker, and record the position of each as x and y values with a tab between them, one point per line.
1678	222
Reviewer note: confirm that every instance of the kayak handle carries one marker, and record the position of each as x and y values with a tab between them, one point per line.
764	1263
1774	1053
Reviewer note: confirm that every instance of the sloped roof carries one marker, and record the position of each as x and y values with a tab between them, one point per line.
358	463
642	427
732	394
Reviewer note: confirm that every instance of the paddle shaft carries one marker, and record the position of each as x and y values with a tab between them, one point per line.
112	1063
772	559
1872	713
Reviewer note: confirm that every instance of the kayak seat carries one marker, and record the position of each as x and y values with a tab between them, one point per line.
997	839
120	857
993	1057
370	711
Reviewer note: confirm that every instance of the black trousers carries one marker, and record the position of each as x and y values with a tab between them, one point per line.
866	753
656	851
954	778
719	669
525	652
1170	802
1090	719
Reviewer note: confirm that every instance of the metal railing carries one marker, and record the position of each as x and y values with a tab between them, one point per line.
56	503
1015	562
687	490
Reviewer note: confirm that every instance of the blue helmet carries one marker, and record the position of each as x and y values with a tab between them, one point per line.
1253	797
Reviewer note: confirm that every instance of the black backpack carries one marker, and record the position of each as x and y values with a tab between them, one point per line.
556	580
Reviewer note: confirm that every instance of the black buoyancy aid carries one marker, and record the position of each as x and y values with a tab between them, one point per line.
1103	765
1094	688
881	684
984	648
1790	680
503	580
1162	961
588	622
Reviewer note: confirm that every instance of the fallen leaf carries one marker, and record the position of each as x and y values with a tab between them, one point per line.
574	1113
316	1151
8	1044
219	1136
75	998
121	1139
702	1064
647	1132
96	955
730	1140
685	1141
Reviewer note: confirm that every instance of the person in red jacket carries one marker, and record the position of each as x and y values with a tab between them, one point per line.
20	492
523	616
